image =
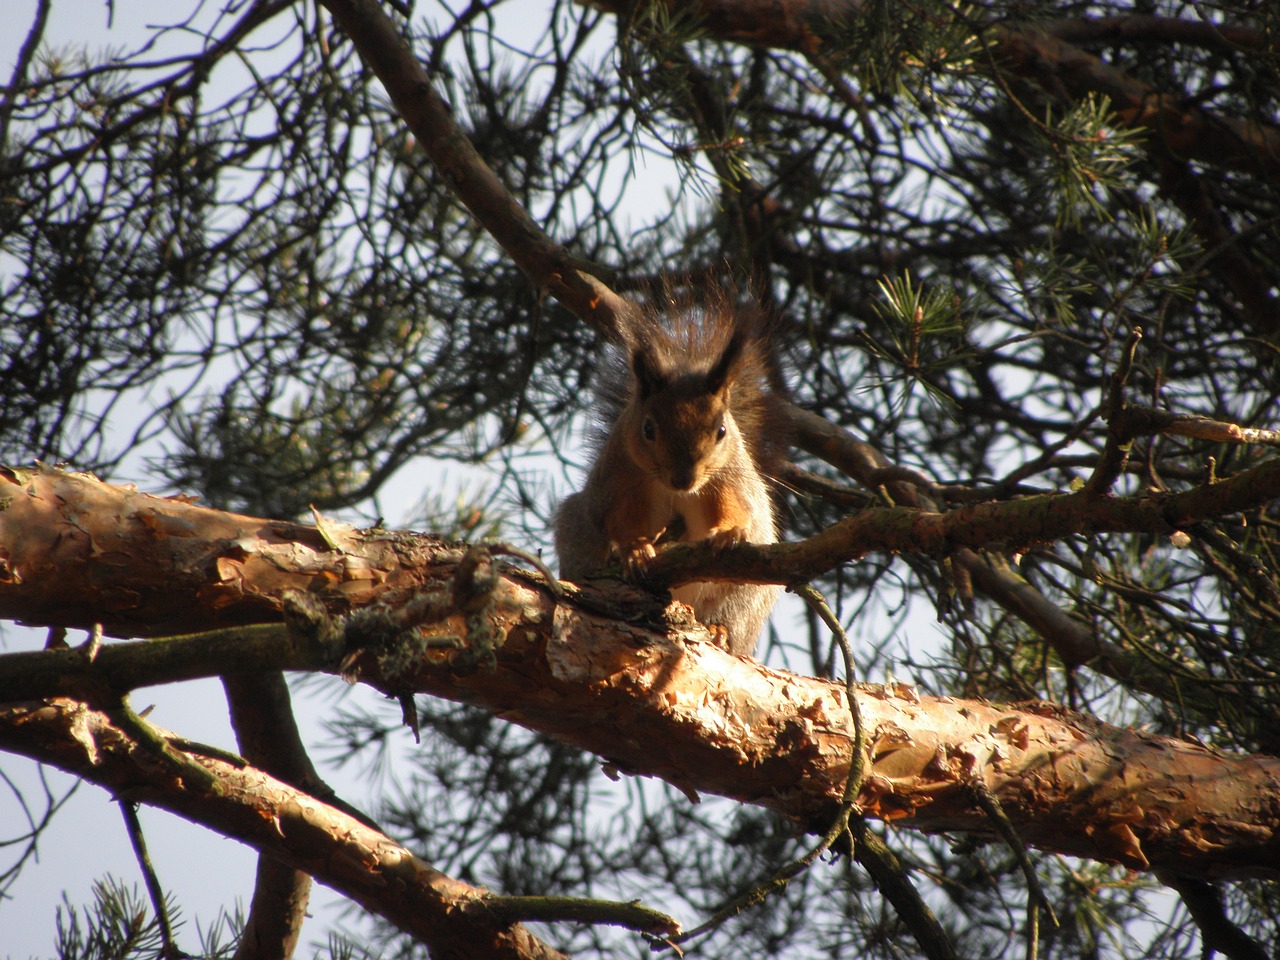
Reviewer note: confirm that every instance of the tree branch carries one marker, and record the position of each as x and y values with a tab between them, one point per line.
1075	642
239	566
678	708
547	264
1204	903
447	915
1179	131
1140	28
1002	525
57	523
1186	131
267	735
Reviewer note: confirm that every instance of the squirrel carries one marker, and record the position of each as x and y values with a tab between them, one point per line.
689	441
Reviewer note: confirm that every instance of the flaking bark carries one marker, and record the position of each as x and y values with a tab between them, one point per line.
649	693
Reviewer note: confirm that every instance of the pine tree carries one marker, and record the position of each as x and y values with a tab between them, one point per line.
1023	260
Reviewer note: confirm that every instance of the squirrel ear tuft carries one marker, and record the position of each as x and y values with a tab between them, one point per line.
648	377
719	374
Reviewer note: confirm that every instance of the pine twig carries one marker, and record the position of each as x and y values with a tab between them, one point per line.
133	826
991	807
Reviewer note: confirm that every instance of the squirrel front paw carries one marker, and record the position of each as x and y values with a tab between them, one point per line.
719	635
635	557
721	538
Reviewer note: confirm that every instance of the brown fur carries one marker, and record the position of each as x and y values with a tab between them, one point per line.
685	454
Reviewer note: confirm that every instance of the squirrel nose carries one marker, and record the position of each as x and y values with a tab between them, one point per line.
682	478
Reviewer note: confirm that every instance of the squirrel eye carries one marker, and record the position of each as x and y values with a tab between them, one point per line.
720	434
648	429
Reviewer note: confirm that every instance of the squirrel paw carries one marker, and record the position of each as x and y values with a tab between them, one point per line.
636	557
719	634
726	537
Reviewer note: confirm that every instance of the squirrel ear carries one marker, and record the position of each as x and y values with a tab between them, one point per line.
649	379
718	375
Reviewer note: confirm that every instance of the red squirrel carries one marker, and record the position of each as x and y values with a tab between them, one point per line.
684	457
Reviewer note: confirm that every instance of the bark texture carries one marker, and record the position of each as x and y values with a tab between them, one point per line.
447	915
617	674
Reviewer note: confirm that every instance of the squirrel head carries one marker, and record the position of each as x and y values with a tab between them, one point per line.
682	429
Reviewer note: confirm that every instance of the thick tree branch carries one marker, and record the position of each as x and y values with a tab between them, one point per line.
239	566
276	911
686	712
1184	130
447	915
547	264
1141	28
267	735
1204	903
59	525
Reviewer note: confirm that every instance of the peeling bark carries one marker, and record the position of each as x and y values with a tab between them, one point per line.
110	540
705	721
615	673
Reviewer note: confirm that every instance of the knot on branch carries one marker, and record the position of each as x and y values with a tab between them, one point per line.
474	591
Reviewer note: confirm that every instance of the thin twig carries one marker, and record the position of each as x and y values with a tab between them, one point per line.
1004	826
133	826
852	785
1116	452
